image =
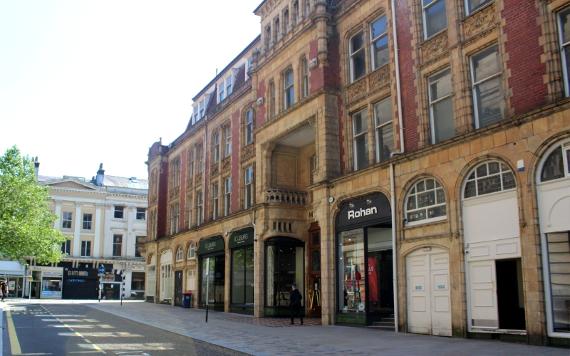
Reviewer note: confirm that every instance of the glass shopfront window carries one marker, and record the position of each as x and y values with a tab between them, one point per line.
284	266
352	291
558	245
212	272
241	244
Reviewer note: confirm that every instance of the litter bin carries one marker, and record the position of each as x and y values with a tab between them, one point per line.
187	299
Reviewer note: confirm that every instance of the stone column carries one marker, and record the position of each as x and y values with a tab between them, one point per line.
107	235
98	241
57	223
328	262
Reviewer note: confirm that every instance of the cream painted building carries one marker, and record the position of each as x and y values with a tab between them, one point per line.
104	220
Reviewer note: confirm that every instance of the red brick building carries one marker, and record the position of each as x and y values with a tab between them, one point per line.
405	163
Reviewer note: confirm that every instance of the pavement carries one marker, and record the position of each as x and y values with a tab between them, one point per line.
261	337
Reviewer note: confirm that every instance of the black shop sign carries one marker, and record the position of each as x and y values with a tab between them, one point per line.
366	210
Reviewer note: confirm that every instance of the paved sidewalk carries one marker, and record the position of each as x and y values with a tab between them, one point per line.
247	334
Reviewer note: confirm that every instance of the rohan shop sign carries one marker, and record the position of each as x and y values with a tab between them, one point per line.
211	245
241	238
373	208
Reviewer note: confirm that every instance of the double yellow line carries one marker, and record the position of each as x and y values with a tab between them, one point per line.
14	343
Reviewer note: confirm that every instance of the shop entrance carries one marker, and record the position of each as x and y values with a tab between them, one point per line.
284	266
509	294
212	272
241	245
178	288
365	262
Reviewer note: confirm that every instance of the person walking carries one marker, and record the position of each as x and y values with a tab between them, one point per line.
4	290
295	298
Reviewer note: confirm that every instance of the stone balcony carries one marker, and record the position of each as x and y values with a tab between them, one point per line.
284	196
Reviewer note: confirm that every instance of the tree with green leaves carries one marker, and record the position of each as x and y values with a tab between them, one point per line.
26	220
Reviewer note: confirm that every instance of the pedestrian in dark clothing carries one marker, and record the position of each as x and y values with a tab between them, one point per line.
4	290
295	298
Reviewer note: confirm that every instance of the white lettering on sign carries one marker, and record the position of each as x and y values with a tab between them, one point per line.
355	214
210	245
241	238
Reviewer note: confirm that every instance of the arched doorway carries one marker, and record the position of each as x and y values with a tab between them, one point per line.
284	266
553	194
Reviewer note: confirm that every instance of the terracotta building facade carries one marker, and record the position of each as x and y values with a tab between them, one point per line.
404	163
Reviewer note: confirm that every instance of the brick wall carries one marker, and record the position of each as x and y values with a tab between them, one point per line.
526	71
236	154
261	111
162	200
316	77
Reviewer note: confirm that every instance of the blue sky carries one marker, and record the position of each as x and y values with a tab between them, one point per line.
84	82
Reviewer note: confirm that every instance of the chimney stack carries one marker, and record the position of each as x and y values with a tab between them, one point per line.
100	176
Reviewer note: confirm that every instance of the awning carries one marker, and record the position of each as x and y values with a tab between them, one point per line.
11	268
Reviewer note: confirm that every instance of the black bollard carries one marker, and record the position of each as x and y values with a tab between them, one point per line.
206	313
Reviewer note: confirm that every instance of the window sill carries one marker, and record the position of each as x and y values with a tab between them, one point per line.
478	10
426	222
431	37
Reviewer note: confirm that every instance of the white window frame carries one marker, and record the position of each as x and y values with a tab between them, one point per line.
141	212
565	147
227	195
215	200
89	221
86	247
413	193
191	254
120	244
469	11
432	102
357	165
288	89
227	140
380	127
374	39
353	53
66	247
199	207
66	219
563	45
424	17
179	254
249	126
216	146
249	190
474	83
476	179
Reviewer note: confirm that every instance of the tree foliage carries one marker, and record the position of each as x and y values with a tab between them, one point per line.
26	220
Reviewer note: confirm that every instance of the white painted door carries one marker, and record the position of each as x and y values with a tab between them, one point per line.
483	294
429	306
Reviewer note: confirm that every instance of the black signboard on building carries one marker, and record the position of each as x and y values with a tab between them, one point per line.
373	208
241	238
80	283
211	245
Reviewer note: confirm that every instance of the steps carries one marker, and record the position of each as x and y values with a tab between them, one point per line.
386	323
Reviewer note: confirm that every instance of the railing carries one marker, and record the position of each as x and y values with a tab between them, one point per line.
282	196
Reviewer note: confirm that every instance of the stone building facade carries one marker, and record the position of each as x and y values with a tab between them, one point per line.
410	168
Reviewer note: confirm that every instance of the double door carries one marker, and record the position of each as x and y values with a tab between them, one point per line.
428	295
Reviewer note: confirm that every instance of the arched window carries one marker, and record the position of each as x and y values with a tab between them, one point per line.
489	177
179	254
425	201
557	163
191	250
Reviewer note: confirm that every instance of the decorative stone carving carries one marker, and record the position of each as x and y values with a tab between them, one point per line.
226	164
247	152
480	21
198	179
356	90
380	78
214	169
434	47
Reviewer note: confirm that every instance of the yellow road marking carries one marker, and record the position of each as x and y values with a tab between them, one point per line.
14	343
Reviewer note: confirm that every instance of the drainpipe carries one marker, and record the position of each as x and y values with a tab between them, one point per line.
392	173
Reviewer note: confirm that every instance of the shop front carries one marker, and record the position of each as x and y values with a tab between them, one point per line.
13	273
284	266
212	276
241	246
47	282
365	292
79	282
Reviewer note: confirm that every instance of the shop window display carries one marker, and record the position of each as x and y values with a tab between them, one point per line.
352	290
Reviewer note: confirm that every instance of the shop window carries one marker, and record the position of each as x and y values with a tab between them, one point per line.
379	52
384	129
425	202
137	282
434	17
357	57
487	178
557	164
352	267
564	42
67	219
487	88
474	5
360	139
440	106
